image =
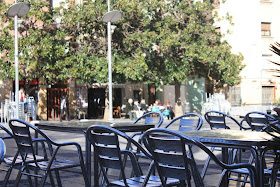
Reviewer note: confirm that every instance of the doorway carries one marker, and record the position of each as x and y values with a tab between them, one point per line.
96	103
54	97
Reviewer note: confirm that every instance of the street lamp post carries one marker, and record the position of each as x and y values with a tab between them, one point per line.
110	17
17	10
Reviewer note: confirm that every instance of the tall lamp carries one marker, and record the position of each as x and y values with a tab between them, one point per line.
110	17
17	10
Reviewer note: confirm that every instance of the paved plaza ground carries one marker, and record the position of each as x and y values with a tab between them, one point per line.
74	178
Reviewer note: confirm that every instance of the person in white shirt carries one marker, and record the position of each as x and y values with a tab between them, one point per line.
63	108
137	109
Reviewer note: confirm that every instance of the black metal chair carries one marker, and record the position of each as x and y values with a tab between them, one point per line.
218	120
52	160
170	152
155	118
187	122
258	121
271	174
109	155
12	158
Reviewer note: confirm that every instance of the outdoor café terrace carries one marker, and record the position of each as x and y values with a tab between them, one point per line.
229	139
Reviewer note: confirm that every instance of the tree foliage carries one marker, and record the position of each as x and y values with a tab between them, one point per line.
167	41
41	45
160	42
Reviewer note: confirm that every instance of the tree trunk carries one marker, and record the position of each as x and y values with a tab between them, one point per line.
178	102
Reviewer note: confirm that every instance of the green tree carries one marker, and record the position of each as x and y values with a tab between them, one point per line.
42	45
164	42
87	41
159	42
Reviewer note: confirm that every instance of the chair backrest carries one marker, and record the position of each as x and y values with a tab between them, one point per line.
7	131
155	118
170	151
187	122
22	134
108	151
218	120
273	129
258	121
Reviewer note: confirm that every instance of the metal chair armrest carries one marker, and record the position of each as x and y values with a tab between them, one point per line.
134	163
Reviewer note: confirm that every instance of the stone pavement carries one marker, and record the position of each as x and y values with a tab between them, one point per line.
74	177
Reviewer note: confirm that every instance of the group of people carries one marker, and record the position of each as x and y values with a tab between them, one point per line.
166	109
134	110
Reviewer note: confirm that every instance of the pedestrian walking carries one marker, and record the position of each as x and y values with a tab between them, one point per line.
63	108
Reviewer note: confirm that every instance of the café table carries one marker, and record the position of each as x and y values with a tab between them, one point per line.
81	127
256	142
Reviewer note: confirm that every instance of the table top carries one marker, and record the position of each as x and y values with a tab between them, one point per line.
82	126
226	137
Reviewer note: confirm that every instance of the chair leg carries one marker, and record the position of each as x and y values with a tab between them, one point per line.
5	182
29	177
203	173
183	183
18	177
84	173
275	169
52	180
58	178
223	175
43	181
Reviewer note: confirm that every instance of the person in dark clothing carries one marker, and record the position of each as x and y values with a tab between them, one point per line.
143	106
63	108
130	109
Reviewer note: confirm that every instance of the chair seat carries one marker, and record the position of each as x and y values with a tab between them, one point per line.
241	171
153	181
56	164
170	181
245	171
9	160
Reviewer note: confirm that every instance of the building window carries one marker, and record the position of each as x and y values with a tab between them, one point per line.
235	96
266	29
267	95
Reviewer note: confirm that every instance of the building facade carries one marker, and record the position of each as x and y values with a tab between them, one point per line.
255	27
